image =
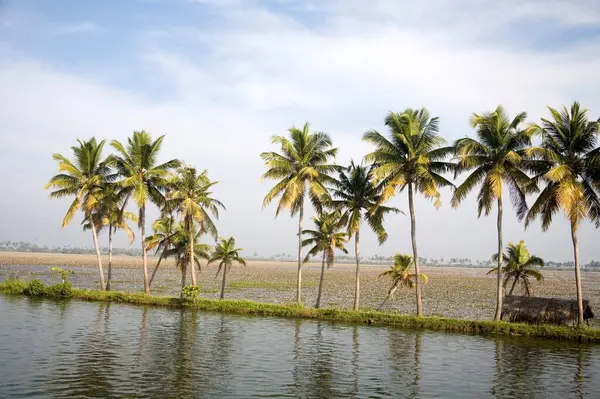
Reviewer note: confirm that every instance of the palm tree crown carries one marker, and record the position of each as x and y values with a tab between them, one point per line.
400	272
519	266
226	254
327	237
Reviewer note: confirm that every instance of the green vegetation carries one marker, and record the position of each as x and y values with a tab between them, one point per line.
401	275
226	253
302	164
519	266
327	238
411	158
329	314
358	198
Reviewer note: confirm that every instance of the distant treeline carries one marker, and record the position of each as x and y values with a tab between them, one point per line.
22	246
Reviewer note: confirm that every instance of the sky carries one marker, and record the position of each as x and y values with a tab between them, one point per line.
220	77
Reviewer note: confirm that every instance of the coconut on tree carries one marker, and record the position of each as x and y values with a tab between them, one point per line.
497	160
302	168
411	158
357	198
143	178
328	237
401	275
82	178
571	174
190	196
519	266
226	254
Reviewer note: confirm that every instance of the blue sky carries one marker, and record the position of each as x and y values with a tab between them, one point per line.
220	77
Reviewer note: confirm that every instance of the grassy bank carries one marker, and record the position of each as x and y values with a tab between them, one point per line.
20	287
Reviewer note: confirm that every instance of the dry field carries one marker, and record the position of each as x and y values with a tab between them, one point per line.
453	292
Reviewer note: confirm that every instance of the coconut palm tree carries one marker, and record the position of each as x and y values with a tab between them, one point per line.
411	158
401	275
302	168
111	213
519	266
176	245
226	252
164	228
572	175
355	195
143	178
190	196
498	159
82	178
326	238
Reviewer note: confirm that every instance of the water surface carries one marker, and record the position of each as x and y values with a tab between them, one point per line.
91	349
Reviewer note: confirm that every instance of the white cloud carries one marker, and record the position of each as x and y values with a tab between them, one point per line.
261	72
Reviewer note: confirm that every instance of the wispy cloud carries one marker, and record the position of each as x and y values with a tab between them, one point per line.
77	27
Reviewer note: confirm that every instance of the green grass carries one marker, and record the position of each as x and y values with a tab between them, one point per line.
330	314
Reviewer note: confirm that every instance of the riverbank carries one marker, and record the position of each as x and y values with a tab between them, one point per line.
585	334
458	293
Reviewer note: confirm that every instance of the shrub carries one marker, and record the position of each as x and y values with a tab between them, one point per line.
13	285
190	292
63	290
35	288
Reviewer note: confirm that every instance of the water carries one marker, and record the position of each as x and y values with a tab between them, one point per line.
80	349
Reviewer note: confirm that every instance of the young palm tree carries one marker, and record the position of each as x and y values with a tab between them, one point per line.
190	196
83	179
499	159
226	252
143	178
164	228
519	266
410	159
357	198
327	237
111	212
176	245
572	175
302	168
401	275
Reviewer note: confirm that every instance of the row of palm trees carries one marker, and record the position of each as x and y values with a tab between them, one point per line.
564	170
102	187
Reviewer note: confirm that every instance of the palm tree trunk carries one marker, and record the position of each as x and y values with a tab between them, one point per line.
389	295
512	286
191	238
223	282
154	271
499	276
413	235
110	231
357	255
318	304
299	282
100	269
144	255
183	278
577	275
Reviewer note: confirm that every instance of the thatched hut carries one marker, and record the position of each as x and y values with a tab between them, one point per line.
534	310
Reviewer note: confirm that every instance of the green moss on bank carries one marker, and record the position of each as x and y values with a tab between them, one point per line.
329	314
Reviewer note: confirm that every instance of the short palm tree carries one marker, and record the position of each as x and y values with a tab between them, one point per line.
498	157
144	178
411	158
111	213
401	275
326	238
355	195
572	175
190	196
519	266
82	178
164	229
302	167
226	253
176	246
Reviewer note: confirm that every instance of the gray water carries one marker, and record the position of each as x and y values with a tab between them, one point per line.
80	349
